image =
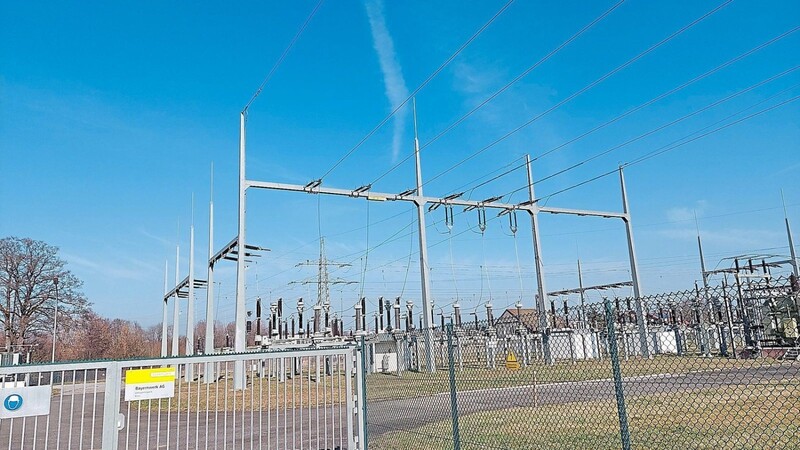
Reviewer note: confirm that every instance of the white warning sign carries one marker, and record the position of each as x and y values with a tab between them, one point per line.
146	384
25	401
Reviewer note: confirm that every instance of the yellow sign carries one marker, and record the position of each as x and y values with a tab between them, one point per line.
144	384
511	361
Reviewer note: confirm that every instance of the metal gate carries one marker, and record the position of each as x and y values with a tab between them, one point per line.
298	399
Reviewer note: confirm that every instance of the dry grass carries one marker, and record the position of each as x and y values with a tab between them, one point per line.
262	394
304	391
734	417
417	384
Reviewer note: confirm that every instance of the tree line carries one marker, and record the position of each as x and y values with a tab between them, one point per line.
37	291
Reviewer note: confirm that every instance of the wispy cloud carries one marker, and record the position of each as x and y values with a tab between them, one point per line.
685	213
790	168
105	268
733	237
395	85
736	239
84	109
278	171
159	239
476	80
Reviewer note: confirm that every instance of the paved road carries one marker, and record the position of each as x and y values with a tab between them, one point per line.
75	418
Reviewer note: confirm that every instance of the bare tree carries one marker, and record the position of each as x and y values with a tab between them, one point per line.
200	336
95	337
219	334
34	283
128	340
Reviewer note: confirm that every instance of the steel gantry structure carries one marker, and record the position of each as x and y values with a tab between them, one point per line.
420	201
185	289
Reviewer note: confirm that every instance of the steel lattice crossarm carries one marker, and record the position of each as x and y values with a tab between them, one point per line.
740	271
601	287
231	251
182	289
228	252
304	282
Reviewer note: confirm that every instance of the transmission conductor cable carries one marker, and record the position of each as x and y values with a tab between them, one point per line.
582	90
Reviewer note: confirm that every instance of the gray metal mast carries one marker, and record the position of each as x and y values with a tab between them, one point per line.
208	345
704	332
702	258
641	318
190	298
165	315
791	241
176	314
427	315
208	348
583	294
239	343
540	286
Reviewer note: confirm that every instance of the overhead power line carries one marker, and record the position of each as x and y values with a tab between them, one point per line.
693	136
508	85
511	269
668	124
663	150
283	55
295	250
397	235
659	97
582	90
381	266
669	92
490	176
667	148
417	89
496	177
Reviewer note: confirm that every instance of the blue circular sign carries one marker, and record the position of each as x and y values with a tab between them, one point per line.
13	402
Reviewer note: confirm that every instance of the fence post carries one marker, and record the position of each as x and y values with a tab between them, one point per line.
453	398
352	369
618	389
111	406
363	380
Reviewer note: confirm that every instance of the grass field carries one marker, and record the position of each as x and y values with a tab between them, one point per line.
416	384
267	394
261	394
763	416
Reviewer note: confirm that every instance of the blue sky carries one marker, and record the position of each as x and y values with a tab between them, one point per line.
111	115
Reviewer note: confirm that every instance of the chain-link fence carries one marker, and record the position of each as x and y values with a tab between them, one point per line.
712	367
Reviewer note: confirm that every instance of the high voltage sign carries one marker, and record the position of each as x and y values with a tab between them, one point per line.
511	361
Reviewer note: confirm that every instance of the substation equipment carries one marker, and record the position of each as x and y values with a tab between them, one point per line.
645	329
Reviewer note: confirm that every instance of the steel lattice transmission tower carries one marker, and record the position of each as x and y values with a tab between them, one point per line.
323	281
323	291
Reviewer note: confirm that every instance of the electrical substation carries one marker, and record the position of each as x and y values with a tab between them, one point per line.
741	311
747	310
447	225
